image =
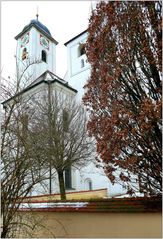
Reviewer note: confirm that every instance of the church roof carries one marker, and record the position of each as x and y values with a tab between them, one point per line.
75	37
49	76
40	27
39	24
46	77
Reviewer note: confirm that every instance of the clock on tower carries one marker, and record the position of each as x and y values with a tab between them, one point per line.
24	39
44	42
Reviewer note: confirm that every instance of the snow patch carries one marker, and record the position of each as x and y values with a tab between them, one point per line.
54	205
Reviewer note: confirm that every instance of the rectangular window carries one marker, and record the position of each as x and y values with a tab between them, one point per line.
68	178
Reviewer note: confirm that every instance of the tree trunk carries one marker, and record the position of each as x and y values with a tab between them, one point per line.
61	185
4	232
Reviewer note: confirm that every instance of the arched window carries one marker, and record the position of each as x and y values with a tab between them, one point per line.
24	53
90	185
81	49
43	56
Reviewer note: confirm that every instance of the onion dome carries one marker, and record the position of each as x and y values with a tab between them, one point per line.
40	27
37	23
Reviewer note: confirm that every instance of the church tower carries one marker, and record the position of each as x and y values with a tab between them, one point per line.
35	44
78	66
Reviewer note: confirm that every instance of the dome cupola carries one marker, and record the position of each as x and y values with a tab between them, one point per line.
38	24
40	27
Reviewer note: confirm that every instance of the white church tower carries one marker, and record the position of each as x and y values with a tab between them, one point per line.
78	67
35	44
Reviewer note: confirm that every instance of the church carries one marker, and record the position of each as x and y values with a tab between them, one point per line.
36	44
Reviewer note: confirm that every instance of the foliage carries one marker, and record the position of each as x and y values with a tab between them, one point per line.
123	94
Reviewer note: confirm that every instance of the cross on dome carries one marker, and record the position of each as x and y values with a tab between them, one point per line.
37	14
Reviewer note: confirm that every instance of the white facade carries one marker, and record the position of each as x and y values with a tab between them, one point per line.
77	72
89	177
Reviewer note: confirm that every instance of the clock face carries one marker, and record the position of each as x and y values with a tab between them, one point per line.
25	39
44	42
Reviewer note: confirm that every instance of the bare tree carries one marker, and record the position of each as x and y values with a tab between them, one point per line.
40	132
19	173
60	133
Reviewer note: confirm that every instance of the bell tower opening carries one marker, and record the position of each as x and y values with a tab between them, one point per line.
24	53
44	56
81	49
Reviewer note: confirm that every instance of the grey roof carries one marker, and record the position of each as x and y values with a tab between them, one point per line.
39	26
55	78
42	79
75	37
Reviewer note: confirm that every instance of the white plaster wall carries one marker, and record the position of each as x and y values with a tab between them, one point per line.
78	81
98	179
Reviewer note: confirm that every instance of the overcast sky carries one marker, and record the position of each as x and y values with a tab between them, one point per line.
64	19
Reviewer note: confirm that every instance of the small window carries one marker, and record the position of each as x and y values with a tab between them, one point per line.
81	49
44	56
82	63
68	178
24	53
